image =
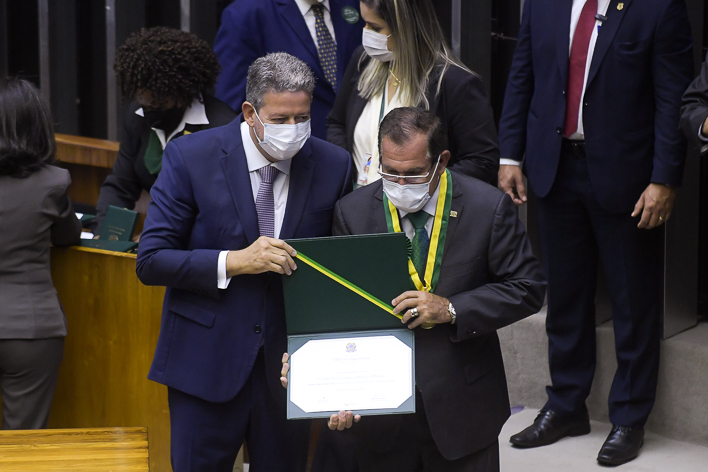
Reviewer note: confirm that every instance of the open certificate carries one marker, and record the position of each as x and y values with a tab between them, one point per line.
367	372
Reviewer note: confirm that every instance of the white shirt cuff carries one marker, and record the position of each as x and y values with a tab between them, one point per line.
222	280
702	136
509	162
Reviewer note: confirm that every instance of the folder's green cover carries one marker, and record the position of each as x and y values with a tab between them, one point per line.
119	224
314	303
107	245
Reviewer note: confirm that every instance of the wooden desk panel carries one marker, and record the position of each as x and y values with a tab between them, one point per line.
94	450
86	151
114	322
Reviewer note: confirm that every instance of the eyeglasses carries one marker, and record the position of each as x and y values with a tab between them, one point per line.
410	179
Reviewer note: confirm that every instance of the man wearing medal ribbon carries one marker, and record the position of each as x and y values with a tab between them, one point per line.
472	272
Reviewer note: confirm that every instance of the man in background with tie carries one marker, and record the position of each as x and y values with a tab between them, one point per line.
221	207
591	113
323	33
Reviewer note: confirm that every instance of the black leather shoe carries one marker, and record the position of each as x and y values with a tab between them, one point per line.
549	427
621	446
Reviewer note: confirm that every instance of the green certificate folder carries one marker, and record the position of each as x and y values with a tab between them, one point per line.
119	224
347	350
314	303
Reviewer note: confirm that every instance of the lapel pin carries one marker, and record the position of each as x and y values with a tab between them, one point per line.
350	15
453	214
620	6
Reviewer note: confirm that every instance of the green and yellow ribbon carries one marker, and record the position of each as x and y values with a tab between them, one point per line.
344	282
437	237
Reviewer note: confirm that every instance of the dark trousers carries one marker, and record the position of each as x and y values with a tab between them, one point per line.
207	436
28	376
576	233
414	450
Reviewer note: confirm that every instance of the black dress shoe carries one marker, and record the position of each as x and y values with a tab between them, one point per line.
549	427
621	446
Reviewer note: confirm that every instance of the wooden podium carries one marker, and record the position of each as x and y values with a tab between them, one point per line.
114	322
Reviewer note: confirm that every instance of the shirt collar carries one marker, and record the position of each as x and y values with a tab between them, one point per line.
305	5
195	114
254	158
429	207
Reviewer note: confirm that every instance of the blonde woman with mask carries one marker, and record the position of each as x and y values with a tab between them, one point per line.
405	61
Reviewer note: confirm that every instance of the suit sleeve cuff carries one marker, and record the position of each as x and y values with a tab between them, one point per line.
222	280
702	136
509	162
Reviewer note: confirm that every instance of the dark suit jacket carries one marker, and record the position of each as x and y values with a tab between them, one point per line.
202	203
34	211
130	176
251	29
641	65
463	107
695	109
492	279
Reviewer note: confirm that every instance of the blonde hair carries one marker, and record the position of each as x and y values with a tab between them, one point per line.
420	46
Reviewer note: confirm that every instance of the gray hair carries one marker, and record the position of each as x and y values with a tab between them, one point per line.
277	72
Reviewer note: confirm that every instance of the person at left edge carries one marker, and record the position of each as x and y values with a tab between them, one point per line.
323	33
170	74
223	203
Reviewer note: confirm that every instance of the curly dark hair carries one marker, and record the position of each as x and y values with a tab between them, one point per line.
169	63
26	129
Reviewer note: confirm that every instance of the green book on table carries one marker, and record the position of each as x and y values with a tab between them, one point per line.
119	224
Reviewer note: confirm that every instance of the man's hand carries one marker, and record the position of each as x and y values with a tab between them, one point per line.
344	420
264	255
429	308
655	205
284	370
704	130
511	182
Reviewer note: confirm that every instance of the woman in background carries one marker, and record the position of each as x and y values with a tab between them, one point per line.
34	211
405	61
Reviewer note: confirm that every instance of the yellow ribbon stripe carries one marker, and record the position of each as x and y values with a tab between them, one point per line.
362	293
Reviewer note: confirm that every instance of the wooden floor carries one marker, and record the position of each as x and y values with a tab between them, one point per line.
94	450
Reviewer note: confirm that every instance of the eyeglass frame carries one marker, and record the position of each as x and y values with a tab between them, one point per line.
407	178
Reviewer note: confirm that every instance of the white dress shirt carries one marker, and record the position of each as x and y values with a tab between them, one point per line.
578	5
195	114
305	7
281	187
366	137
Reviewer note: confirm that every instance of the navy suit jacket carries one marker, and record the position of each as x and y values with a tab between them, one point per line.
253	28
641	66
202	203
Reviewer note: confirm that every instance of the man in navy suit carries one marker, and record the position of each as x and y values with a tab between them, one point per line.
591	112
323	33
223	203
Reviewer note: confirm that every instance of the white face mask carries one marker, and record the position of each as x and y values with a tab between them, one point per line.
376	45
282	142
410	197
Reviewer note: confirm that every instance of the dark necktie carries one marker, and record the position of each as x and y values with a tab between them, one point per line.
265	203
576	65
421	241
326	49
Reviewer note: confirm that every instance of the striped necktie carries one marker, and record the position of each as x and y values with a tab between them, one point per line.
326	49
421	240
265	203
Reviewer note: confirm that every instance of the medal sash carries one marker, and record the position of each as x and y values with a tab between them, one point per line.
437	237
